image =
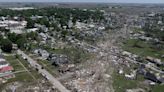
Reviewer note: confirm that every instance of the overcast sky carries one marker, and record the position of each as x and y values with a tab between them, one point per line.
114	1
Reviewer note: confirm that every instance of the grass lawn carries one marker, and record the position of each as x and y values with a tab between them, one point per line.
75	55
18	67
14	63
158	88
22	77
142	48
31	69
120	83
49	67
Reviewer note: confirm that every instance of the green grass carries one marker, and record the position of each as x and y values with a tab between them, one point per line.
18	67
75	55
158	88
49	67
31	69
14	63
137	30
120	83
22	77
142	48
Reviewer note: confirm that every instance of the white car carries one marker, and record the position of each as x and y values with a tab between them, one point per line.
24	58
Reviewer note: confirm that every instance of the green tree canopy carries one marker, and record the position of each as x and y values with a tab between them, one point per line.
6	45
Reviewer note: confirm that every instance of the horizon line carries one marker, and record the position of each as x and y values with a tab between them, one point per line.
80	2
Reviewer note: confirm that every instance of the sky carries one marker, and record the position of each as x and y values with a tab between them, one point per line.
108	1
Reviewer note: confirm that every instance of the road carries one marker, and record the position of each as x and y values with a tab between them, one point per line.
44	72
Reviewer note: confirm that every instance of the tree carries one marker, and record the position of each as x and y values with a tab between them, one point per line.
1	38
32	35
6	45
44	21
30	23
21	42
12	37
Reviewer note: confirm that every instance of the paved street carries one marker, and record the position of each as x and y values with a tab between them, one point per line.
44	72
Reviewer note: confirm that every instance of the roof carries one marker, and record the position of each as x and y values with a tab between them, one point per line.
3	63
1	56
7	68
2	60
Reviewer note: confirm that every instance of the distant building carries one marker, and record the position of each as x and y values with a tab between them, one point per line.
22	8
32	30
13	26
36	17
